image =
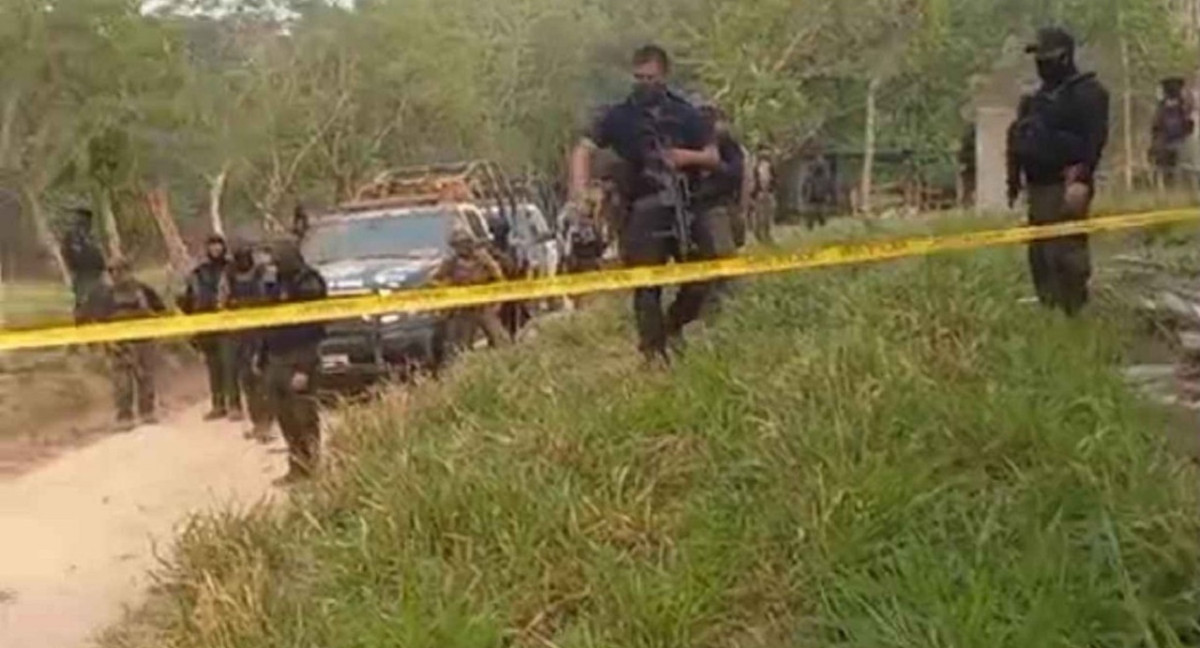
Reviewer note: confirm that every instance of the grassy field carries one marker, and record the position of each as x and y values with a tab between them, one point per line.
43	303
897	455
31	303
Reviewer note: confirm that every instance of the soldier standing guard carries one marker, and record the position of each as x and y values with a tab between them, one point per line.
288	359
244	285
203	296
1173	125
83	258
132	363
718	195
763	197
1056	147
470	264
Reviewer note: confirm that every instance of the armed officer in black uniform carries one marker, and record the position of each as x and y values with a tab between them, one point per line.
289	361
202	295
245	285
664	143
1056	147
84	259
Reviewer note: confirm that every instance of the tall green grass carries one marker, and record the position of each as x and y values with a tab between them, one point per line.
898	455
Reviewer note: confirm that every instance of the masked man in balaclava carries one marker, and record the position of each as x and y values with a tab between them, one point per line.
1057	145
202	295
289	361
245	286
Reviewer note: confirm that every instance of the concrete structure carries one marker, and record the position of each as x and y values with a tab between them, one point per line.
993	109
991	124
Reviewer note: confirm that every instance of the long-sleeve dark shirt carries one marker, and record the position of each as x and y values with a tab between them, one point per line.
131	300
203	291
1075	117
82	255
291	339
722	185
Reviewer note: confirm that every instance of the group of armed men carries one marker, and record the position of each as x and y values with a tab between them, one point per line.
682	191
678	158
267	373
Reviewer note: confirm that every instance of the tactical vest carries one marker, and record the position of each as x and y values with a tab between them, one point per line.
1175	120
762	177
1044	140
245	288
464	271
205	284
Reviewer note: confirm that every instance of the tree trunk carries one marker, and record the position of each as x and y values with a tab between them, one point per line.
344	186
1194	181
158	202
7	120
868	166
216	189
3	295
109	219
1127	115
32	205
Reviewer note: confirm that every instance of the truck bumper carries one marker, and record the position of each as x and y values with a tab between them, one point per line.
356	354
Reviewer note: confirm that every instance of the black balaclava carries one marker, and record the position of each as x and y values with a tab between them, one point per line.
212	240
1055	70
649	93
1172	88
1055	52
243	258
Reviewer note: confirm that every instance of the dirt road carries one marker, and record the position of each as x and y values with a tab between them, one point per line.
78	535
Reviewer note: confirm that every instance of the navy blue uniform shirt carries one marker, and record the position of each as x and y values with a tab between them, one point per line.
621	129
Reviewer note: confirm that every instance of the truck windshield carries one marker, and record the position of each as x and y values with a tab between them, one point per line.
379	234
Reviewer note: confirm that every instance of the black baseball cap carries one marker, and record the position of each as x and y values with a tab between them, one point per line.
1051	42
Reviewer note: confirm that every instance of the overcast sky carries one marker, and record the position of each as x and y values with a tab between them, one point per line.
224	7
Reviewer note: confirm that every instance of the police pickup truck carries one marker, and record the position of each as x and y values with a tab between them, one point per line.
385	241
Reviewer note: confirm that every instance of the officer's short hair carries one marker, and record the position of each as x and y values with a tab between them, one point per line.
652	54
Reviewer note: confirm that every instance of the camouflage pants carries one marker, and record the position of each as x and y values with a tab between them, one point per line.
1061	267
722	220
464	324
762	218
588	259
249	386
81	289
1167	159
132	367
297	410
220	357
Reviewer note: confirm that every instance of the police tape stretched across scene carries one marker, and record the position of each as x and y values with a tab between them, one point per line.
433	299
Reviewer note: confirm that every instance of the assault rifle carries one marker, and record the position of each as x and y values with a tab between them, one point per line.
671	189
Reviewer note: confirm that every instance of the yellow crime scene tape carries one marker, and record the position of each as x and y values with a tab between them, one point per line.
432	299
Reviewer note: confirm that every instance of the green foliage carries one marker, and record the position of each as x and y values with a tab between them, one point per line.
307	99
896	456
